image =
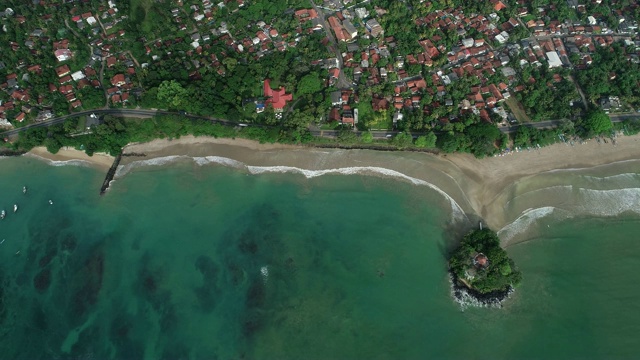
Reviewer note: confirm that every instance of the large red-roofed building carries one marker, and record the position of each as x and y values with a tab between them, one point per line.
277	98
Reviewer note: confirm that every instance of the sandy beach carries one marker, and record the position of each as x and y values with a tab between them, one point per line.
98	160
480	187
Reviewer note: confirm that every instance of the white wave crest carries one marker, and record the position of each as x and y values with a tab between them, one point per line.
219	160
624	176
585	202
523	222
589	168
457	212
74	162
558	188
124	169
610	202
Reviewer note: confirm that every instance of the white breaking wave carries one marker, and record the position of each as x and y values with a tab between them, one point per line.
264	271
219	160
610	202
612	177
589	168
74	162
523	222
457	212
567	188
124	169
590	202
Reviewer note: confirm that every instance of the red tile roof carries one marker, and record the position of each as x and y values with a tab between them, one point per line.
118	80
277	98
63	70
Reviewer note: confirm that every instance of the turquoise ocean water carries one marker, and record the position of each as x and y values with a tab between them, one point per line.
208	262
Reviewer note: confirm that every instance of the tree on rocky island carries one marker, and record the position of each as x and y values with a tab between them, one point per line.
482	265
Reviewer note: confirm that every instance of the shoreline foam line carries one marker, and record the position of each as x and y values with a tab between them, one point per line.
524	222
588	167
457	211
71	162
568	188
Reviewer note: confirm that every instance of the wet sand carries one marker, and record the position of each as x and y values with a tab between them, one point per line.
480	187
99	160
490	178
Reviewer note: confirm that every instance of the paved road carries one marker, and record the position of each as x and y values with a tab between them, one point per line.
507	129
562	36
324	133
554	123
343	82
123	112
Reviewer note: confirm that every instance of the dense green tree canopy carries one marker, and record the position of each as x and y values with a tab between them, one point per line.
171	93
426	141
597	122
499	274
309	84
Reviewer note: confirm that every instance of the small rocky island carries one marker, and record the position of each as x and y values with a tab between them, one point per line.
481	272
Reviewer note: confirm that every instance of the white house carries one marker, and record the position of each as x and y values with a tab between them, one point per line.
63	54
554	59
77	75
350	28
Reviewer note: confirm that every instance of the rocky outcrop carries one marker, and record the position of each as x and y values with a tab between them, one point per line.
468	297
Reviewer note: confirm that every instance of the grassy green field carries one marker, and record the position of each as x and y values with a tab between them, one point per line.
380	121
517	110
150	16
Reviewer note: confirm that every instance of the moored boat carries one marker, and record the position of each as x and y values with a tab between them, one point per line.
15	207
3	214
24	189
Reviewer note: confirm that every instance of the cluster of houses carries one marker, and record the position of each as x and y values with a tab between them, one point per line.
18	101
105	18
491	50
341	24
258	39
70	80
67	80
487	45
344	108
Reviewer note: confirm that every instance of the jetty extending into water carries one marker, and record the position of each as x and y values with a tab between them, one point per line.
110	174
112	170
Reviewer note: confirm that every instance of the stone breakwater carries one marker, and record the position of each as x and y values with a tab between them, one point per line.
467	297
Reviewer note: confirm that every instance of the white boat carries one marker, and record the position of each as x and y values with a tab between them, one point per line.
50	202
15	207
24	189
3	214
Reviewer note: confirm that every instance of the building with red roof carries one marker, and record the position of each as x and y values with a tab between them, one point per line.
63	70
118	80
481	261
277	98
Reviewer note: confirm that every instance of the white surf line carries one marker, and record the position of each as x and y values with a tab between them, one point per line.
458	212
71	162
